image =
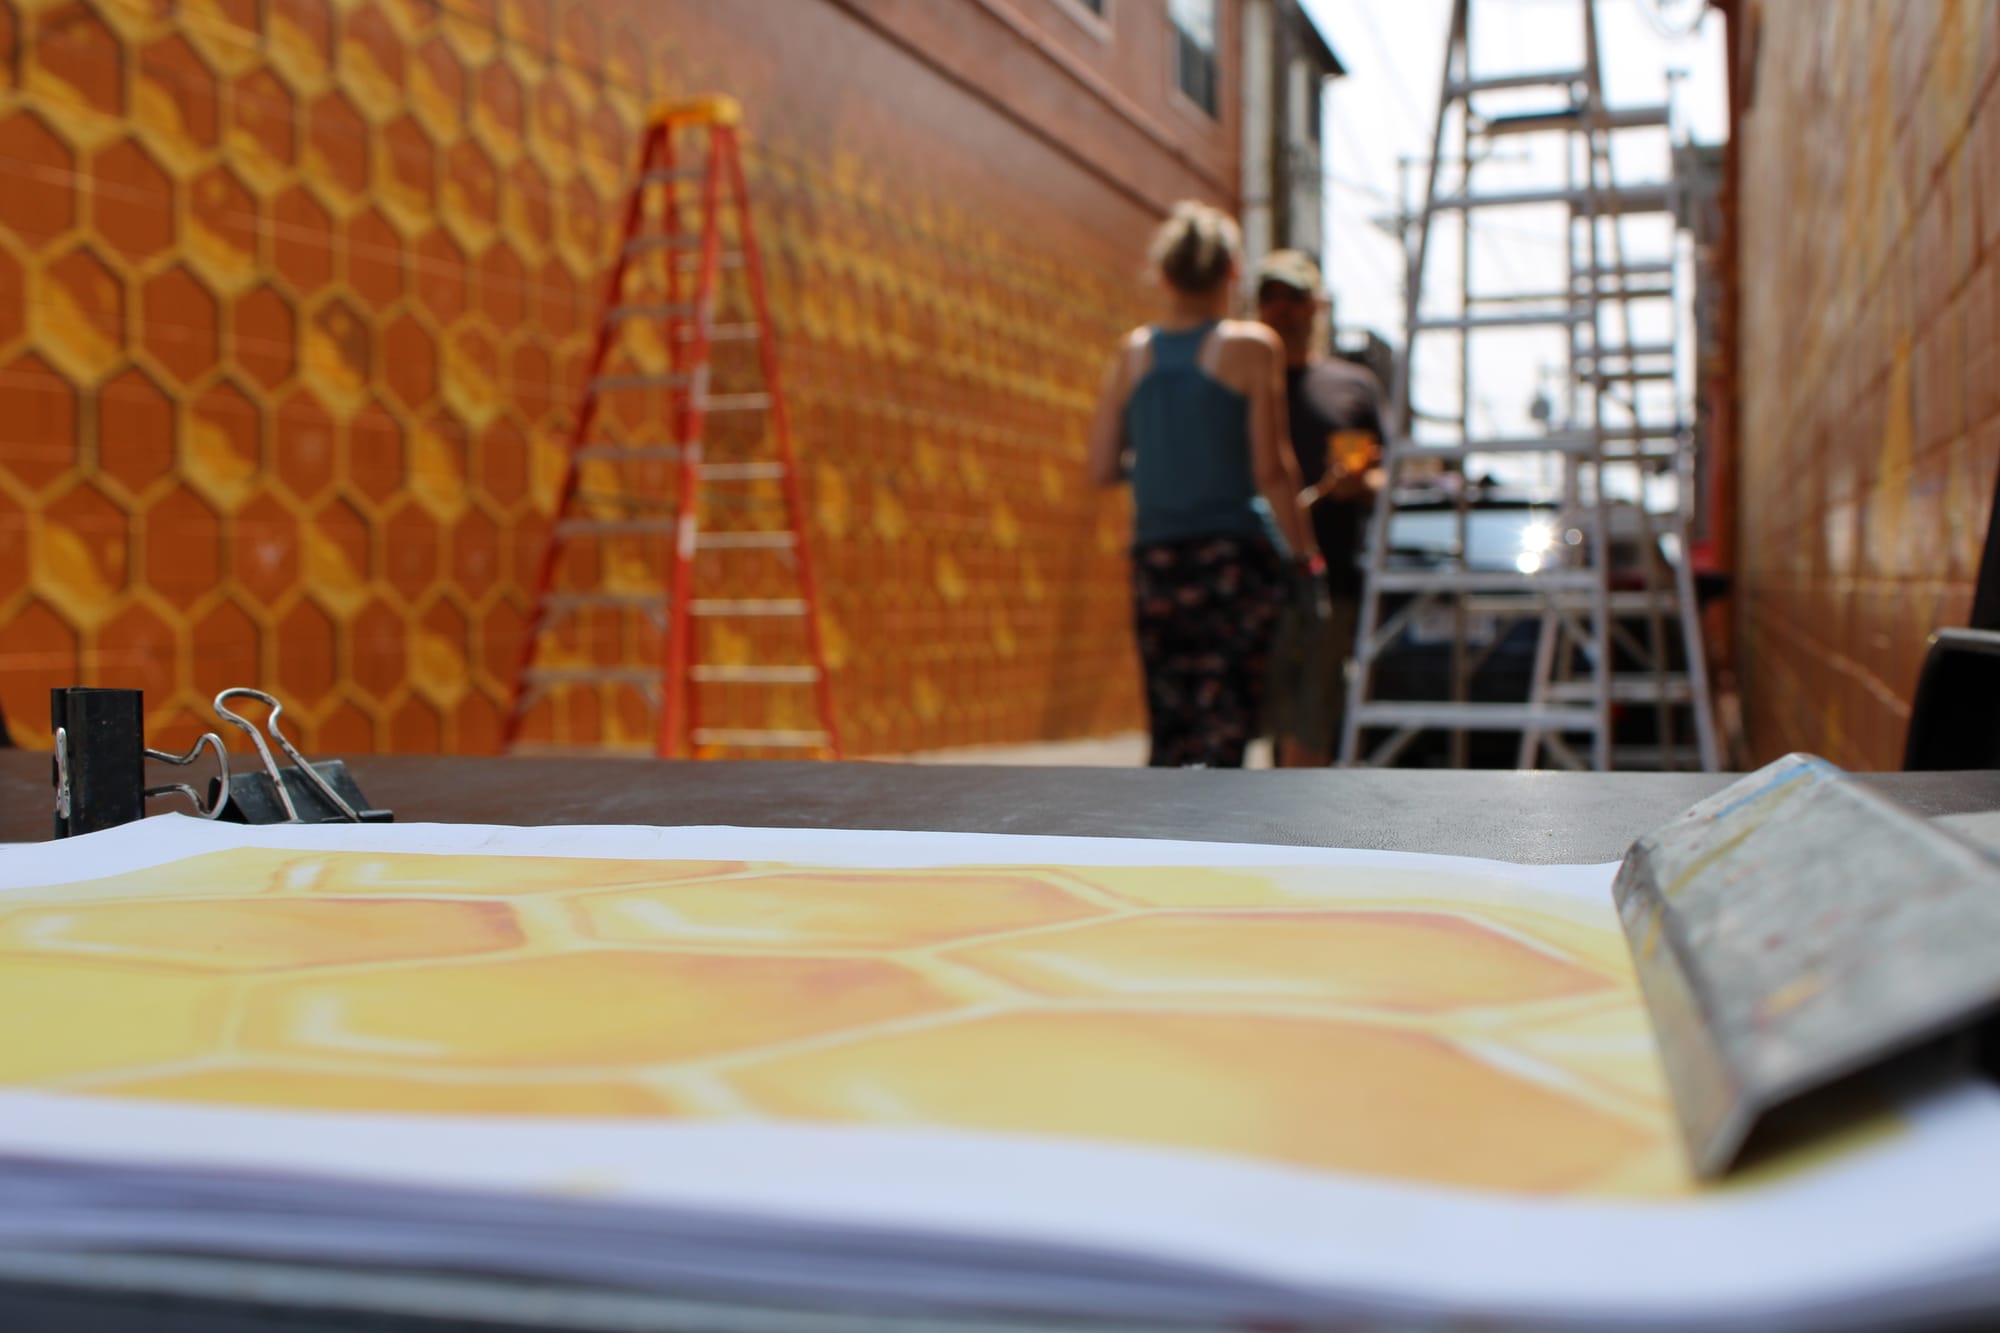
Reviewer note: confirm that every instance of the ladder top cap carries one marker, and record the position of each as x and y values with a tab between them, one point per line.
708	109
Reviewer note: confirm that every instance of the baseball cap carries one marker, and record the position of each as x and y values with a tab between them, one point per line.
1293	268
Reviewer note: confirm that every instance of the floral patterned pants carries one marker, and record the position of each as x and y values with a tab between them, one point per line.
1205	611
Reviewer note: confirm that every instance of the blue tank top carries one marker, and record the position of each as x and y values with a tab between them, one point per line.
1190	439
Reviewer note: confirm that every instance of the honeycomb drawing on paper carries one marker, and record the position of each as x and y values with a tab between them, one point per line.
1415	1025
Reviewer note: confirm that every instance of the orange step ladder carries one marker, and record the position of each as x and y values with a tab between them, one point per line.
679	530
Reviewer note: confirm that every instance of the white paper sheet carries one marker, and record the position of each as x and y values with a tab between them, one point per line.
763	1189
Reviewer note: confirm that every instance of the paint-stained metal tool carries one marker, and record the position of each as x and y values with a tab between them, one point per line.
1794	930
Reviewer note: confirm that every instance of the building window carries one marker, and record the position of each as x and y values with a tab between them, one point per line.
1093	16
1306	88
1195	50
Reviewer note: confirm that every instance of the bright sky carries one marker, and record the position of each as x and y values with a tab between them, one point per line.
1384	111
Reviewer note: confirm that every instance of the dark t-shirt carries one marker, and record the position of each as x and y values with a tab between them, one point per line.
1325	399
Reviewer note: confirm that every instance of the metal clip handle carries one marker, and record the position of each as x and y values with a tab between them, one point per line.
202	808
305	770
62	774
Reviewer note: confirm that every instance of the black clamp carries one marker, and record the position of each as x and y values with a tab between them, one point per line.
100	778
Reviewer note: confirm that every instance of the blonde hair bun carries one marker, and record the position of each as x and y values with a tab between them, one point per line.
1197	247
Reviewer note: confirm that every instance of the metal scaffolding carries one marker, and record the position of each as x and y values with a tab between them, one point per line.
1604	572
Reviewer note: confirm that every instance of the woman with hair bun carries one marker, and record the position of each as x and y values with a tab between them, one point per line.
1193	412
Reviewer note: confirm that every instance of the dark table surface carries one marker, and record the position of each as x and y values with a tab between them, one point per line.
1524	817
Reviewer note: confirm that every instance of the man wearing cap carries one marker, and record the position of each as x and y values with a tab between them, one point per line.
1335	407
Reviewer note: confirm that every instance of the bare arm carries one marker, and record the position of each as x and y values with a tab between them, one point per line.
1272	465
1107	427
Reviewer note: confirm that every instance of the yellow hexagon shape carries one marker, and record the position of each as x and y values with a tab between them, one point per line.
249	871
486	876
238	873
411	1092
1422	961
829	911
257	934
1289	886
584	1009
1574	927
64	1017
1609	1047
1322	1094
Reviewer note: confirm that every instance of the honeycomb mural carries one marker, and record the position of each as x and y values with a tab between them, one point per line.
1338	1019
1870	427
295	299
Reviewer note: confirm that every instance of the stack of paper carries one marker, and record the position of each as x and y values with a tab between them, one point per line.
902	1072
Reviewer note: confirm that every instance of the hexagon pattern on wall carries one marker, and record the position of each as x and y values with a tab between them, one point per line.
295	299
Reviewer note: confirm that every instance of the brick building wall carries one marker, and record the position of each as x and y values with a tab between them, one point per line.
1868	226
295	297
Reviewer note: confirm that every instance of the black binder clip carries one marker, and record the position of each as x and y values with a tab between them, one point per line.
305	793
100	761
100	769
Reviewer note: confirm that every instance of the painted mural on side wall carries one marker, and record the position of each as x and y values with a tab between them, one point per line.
295	299
1870	270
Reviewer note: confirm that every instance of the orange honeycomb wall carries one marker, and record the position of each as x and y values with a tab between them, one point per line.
295	298
1870	358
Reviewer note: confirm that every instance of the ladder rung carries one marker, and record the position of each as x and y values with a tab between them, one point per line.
568	601
1474	716
1623	605
657	310
1578	118
673	240
1652	198
630	503
1523	444
1626	688
774	740
1642	432
1656	463
661	176
1523	319
723	333
594	676
1638	268
629	453
748	606
742	471
1556	78
1579	293
1654	756
725	541
756	675
1628	376
1649	197
1631	350
1631	292
1522	298
613	383
1633	117
1481	580
736	402
613	527
1531	122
